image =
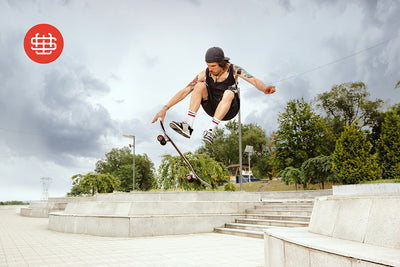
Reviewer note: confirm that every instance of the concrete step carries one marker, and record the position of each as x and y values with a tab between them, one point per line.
273	222
281	212
268	209
283	207
250	227
298	201
288	202
238	232
270	214
264	216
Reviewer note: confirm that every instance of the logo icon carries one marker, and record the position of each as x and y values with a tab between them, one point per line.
43	43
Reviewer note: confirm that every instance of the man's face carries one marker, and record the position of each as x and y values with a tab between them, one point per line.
214	68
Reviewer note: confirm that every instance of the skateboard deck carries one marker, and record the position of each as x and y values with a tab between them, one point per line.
163	139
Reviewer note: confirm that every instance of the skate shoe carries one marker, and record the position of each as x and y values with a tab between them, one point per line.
183	128
208	136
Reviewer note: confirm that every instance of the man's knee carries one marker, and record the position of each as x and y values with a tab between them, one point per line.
201	88
228	96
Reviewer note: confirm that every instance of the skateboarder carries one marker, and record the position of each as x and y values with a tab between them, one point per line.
215	90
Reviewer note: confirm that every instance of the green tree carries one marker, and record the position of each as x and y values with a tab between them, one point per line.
13	202
119	163
173	171
92	183
395	108
229	187
397	85
114	159
301	135
389	146
348	102
144	173
352	161
318	170
76	190
292	175
226	145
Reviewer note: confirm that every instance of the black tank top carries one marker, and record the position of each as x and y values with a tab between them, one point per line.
217	89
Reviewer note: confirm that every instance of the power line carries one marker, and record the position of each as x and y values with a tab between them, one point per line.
336	61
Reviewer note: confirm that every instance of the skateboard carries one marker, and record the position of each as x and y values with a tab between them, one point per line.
163	139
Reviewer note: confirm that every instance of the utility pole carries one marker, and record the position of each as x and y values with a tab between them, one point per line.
133	152
240	148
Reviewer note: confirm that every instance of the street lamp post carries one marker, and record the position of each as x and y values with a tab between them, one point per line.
250	150
240	146
133	151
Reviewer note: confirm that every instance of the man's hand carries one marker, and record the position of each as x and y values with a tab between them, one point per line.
269	89
161	114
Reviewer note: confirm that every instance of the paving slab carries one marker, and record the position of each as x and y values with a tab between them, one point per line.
26	241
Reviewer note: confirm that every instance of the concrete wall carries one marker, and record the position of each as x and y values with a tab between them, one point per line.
367	189
130	219
161	213
138	226
211	195
373	220
54	204
351	228
157	207
179	196
295	248
149	214
42	209
300	194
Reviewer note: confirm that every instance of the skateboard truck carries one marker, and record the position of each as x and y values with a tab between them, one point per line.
161	139
190	177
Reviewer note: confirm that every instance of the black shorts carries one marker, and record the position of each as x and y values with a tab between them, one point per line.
210	105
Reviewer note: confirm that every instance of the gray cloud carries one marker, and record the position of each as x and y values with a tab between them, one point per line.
46	110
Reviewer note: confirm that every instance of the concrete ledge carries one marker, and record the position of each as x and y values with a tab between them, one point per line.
178	196
367	189
352	228
298	247
211	196
371	220
300	194
157	207
137	226
164	213
146	218
42	209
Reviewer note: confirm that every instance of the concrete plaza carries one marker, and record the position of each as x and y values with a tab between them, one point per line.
26	241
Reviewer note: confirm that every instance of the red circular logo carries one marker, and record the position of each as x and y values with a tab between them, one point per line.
43	43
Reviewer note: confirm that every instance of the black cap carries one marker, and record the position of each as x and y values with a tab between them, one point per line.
215	54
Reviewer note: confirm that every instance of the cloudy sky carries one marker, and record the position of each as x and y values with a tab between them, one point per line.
123	60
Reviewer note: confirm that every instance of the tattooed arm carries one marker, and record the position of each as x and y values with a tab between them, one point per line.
179	96
240	72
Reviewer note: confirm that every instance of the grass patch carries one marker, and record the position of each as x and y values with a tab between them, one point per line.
382	181
277	185
273	185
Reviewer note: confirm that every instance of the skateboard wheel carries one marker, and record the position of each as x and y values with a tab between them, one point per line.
190	178
162	140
